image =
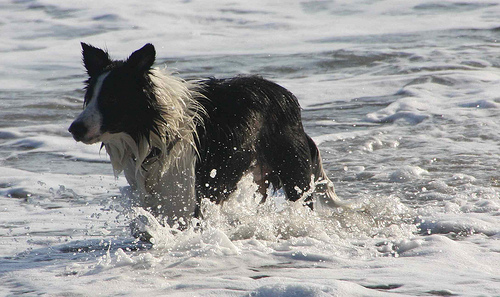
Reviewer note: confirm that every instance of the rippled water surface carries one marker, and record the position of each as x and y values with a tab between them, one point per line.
402	97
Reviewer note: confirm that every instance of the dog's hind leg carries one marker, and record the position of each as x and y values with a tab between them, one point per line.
289	159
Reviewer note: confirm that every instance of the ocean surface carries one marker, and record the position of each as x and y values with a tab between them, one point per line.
402	97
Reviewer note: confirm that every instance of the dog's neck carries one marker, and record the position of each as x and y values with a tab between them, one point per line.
180	113
127	153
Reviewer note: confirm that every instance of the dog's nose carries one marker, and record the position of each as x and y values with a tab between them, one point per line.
78	129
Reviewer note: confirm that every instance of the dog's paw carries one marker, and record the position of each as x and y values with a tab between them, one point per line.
140	228
145	227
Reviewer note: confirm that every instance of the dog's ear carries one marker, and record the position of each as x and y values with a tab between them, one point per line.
94	59
143	58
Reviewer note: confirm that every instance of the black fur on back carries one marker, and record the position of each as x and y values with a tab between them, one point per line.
252	124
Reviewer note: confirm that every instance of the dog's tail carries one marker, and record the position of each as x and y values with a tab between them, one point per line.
323	186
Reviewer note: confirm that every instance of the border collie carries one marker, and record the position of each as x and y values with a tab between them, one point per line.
181	141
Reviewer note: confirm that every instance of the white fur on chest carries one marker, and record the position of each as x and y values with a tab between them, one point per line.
165	184
169	192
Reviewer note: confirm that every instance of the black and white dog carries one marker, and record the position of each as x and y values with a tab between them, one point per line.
181	141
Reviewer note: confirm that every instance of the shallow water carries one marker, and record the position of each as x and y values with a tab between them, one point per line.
402	98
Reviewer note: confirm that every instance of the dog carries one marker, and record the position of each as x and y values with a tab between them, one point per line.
179	142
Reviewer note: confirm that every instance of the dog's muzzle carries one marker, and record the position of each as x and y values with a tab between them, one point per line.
78	130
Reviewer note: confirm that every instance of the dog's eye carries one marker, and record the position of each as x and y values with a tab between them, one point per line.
108	100
112	98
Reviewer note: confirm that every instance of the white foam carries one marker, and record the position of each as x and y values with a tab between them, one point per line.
462	225
407	173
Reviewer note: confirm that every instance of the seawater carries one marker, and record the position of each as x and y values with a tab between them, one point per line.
401	97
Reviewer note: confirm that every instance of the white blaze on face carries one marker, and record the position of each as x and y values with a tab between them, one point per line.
91	116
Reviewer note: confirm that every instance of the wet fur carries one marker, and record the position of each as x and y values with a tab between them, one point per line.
179	142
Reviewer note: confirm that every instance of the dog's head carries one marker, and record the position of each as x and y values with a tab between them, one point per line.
119	96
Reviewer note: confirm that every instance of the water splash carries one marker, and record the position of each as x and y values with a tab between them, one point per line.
244	217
